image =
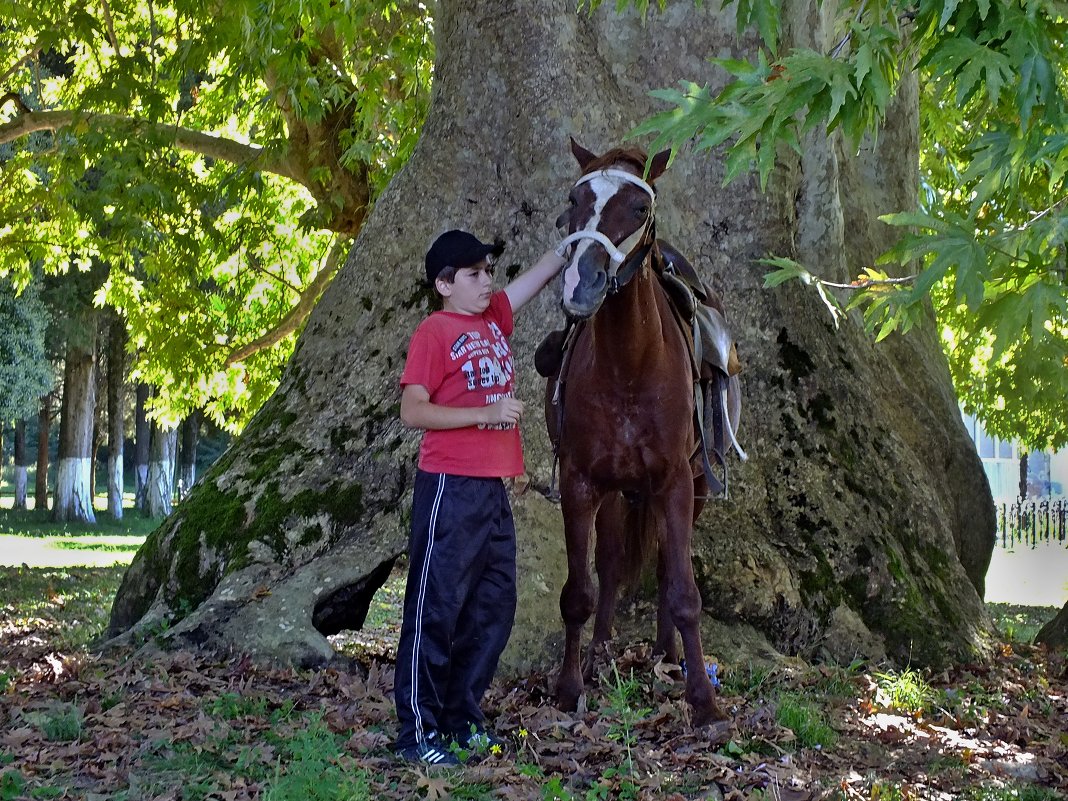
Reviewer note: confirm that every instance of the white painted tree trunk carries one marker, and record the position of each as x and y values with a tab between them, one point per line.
115	485
73	495
20	487
142	438
160	485
20	465
72	490
116	413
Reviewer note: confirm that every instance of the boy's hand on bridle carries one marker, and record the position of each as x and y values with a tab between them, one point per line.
506	411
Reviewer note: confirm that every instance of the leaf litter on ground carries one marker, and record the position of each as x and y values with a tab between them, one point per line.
187	726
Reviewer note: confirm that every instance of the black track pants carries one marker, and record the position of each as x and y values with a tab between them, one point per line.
459	604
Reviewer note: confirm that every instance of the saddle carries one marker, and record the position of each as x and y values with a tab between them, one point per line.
713	359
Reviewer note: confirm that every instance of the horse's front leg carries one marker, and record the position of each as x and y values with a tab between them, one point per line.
666	641
682	596
576	599
608	559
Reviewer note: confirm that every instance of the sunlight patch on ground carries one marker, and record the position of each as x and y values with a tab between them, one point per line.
1029	576
102	551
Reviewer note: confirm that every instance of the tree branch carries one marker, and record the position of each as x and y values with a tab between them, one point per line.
18	64
299	313
111	25
186	139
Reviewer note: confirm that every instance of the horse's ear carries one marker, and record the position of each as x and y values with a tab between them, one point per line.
582	155
658	164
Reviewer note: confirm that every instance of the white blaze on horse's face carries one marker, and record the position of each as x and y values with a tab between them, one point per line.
610	212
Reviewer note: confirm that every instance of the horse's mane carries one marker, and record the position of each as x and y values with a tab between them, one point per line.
631	155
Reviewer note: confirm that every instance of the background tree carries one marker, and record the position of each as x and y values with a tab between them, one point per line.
116	412
862	522
227	148
25	371
987	240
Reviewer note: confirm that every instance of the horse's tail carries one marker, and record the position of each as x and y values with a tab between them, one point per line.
639	539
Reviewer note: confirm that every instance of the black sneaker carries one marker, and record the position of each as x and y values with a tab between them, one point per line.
432	752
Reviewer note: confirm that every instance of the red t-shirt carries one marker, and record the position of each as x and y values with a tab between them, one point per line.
464	360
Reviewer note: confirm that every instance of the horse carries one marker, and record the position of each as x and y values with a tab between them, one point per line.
629	452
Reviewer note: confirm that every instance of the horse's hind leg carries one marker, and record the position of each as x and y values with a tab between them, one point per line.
666	642
576	598
608	559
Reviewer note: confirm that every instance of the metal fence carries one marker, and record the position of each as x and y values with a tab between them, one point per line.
1029	522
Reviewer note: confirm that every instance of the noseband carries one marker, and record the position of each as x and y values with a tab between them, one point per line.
618	274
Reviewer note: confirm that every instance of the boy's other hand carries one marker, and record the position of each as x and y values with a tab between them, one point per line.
506	411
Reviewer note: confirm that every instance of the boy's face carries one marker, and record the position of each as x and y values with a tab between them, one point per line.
470	290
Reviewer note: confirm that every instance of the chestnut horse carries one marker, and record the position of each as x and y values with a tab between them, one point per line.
628	449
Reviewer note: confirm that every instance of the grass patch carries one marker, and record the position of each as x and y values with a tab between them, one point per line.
73	604
39	523
805	720
1020	623
903	691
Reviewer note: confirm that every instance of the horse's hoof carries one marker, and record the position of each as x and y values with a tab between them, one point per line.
567	700
709	715
718	732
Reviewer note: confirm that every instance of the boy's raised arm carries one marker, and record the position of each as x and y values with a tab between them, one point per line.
528	284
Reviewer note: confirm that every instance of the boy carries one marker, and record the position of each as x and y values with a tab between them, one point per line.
459	604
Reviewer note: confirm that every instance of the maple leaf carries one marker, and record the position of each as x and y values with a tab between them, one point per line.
436	786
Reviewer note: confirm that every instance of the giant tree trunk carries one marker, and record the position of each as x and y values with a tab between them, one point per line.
21	465
116	414
44	423
861	523
73	498
142	440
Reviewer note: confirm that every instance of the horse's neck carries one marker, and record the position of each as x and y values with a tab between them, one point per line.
627	330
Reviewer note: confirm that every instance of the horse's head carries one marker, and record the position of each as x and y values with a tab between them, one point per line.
608	221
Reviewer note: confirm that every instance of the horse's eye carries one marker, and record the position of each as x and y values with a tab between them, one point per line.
641	211
571	199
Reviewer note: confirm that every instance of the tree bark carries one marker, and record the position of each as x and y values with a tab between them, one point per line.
44	422
187	474
142	438
116	414
160	489
861	524
1055	633
99	392
73	498
21	465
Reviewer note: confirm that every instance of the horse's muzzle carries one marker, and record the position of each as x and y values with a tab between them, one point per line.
581	301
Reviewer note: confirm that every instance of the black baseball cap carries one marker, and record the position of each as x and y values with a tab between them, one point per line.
458	249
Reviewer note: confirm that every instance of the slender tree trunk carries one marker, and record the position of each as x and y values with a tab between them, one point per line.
21	465
99	406
116	414
161	471
3	459
1023	474
142	439
44	422
190	439
74	500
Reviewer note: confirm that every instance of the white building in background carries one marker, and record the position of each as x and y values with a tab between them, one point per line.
1047	474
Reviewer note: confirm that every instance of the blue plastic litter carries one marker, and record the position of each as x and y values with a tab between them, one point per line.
712	669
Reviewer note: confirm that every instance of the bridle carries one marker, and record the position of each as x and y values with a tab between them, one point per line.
631	253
